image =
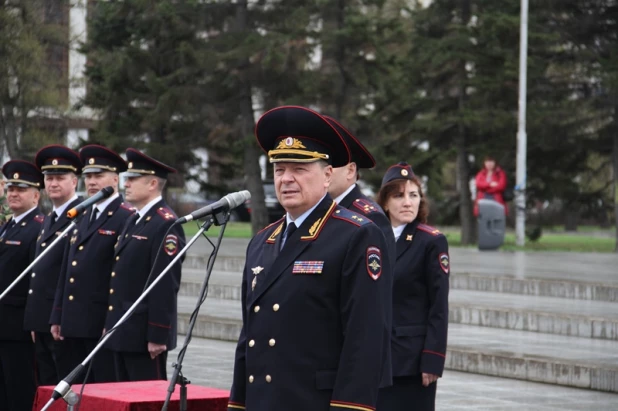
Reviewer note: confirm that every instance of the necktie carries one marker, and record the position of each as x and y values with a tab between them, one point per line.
288	233
94	215
9	225
53	218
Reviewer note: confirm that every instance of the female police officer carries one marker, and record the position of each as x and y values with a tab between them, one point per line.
420	295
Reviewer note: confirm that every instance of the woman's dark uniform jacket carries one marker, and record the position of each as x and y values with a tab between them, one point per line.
420	301
81	301
313	316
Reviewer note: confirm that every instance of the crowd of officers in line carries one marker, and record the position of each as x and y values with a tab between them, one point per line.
344	299
54	317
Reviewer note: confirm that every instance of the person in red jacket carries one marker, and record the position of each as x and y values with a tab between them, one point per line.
490	184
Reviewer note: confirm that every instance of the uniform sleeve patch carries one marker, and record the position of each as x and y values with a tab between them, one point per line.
374	262
444	262
171	245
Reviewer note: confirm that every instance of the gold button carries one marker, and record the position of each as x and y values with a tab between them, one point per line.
71	280
271	342
74	263
70	298
30	291
81	247
113	274
111	307
276	307
268	378
256	308
251	378
43	245
251	343
117	258
111	291
33	275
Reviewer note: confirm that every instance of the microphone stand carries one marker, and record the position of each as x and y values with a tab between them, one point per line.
36	260
177	377
63	389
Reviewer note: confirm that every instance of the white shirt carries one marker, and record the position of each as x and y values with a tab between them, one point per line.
147	208
63	207
21	216
301	218
345	193
103	205
398	230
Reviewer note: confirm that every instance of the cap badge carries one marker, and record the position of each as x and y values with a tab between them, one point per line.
404	172
54	162
16	176
290	142
91	161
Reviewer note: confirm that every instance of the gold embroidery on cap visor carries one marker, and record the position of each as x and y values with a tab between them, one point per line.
70	168
307	156
18	181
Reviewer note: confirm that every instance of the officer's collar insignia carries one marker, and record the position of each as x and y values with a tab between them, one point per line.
444	262
257	270
374	262
316	227
273	236
409	237
290	142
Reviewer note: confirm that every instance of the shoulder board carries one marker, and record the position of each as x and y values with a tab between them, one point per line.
429	229
272	224
127	206
166	213
350	216
365	206
39	218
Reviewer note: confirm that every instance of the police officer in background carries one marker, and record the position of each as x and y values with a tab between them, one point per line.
60	166
81	301
346	193
313	290
17	248
146	245
420	294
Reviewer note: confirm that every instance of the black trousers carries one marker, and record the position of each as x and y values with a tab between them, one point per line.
53	359
17	386
137	366
407	394
102	367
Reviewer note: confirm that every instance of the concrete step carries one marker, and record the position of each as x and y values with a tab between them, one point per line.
585	287
560	316
588	319
555	359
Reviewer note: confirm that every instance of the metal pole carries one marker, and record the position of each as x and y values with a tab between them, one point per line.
522	139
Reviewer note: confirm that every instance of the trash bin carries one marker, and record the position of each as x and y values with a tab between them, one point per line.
492	224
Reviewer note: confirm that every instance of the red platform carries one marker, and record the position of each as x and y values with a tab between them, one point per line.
136	396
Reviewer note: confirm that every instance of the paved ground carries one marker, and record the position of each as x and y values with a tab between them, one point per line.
209	362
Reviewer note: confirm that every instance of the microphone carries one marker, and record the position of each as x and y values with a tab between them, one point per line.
228	202
101	195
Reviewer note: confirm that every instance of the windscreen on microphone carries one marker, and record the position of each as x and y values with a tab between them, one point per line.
101	195
228	202
237	198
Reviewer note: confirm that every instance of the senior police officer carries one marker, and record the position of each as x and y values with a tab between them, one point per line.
81	301
148	243
17	248
60	166
346	193
313	295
